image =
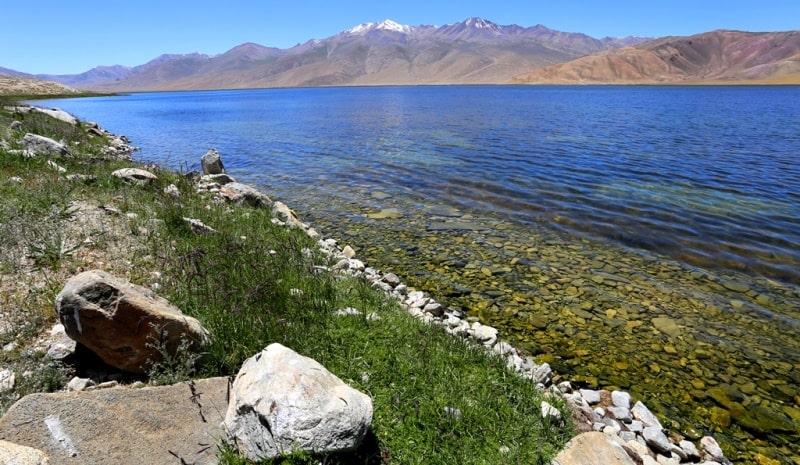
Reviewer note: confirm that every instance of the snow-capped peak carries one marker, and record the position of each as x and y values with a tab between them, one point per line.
480	23
386	25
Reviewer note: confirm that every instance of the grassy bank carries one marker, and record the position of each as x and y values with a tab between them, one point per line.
251	283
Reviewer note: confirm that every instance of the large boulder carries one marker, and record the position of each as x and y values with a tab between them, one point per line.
594	448
243	194
165	425
135	175
127	325
211	163
41	145
283	402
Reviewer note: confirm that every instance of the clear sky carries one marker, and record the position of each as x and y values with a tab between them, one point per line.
67	37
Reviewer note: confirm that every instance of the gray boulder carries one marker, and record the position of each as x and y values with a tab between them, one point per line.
135	175
211	163
283	402
163	425
41	145
242	194
57	114
656	439
123	323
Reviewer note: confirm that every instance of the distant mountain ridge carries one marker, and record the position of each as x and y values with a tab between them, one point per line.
712	57
474	51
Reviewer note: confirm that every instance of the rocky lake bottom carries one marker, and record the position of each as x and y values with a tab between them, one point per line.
711	351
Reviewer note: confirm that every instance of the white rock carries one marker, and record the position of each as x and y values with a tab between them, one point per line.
690	449
283	402
647	460
349	252
41	145
357	265
643	414
486	335
79	384
347	311
712	449
656	439
550	413
620	413
542	373
172	191
57	114
135	175
15	454
7	380
434	308
621	399
664	460
591	396
636	426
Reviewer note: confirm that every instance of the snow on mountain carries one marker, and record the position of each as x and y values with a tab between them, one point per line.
480	23
386	25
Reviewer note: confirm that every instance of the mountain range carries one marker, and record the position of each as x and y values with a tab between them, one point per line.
474	51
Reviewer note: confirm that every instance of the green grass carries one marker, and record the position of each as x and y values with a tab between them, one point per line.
254	283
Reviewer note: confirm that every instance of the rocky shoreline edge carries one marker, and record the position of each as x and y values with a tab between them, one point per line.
612	430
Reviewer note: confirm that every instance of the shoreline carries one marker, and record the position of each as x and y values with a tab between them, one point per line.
425	308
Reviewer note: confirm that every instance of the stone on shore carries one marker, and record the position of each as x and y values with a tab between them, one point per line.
123	322
656	439
15	454
163	425
135	175
41	145
211	163
283	402
643	414
57	114
593	448
243	194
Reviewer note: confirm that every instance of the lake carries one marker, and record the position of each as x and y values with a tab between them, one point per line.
646	238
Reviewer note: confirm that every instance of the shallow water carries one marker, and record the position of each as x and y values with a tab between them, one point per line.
640	237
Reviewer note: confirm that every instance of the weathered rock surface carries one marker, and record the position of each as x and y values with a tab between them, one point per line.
156	425
57	114
593	448
15	454
282	402
244	194
211	163
41	145
121	322
135	175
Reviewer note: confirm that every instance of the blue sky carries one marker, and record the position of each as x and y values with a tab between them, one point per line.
63	37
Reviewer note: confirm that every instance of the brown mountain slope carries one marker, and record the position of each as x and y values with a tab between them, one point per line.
721	57
17	85
474	51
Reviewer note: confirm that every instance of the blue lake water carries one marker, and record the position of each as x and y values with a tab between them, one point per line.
646	238
707	175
